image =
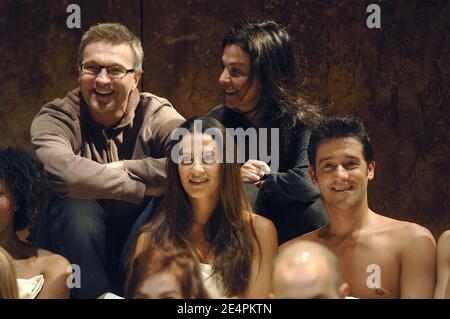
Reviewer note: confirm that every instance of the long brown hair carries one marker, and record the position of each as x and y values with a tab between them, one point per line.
229	230
180	263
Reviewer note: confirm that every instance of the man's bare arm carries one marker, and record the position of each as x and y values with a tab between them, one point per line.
443	267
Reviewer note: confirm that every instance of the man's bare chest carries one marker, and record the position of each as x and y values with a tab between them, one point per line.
371	269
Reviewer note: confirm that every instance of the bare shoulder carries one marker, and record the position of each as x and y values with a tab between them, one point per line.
264	228
443	245
261	223
312	236
410	237
409	230
51	262
444	239
402	230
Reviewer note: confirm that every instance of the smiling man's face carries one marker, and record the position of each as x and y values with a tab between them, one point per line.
342	173
107	98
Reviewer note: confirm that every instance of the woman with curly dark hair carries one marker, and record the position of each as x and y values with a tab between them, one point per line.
260	80
206	211
23	186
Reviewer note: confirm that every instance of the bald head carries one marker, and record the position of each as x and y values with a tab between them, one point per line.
306	270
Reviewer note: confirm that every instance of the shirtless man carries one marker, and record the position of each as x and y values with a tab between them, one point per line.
443	267
22	186
380	257
307	270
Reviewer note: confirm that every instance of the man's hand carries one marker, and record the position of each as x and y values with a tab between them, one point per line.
253	170
117	165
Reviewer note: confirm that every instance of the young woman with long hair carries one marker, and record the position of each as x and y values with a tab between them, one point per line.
206	211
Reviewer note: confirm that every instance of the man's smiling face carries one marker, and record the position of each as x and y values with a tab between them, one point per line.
342	173
107	98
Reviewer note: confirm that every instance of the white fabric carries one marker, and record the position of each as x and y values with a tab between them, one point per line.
109	295
30	288
211	283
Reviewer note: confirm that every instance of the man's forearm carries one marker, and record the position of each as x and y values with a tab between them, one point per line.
150	190
154	190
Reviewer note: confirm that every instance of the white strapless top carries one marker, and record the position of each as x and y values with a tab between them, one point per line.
211	283
30	288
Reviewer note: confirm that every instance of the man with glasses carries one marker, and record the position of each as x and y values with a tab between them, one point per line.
103	147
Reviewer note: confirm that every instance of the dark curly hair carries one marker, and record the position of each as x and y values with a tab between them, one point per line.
25	178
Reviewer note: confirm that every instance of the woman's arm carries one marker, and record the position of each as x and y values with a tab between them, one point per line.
260	284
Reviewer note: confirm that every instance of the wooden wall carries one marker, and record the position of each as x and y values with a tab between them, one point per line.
395	78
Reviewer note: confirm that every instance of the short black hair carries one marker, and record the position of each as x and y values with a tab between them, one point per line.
339	127
25	178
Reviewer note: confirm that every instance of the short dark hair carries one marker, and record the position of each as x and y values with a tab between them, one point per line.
25	178
339	127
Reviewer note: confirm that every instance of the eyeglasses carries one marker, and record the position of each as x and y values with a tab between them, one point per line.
114	72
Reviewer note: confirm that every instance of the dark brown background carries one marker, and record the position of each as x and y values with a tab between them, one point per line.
395	78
